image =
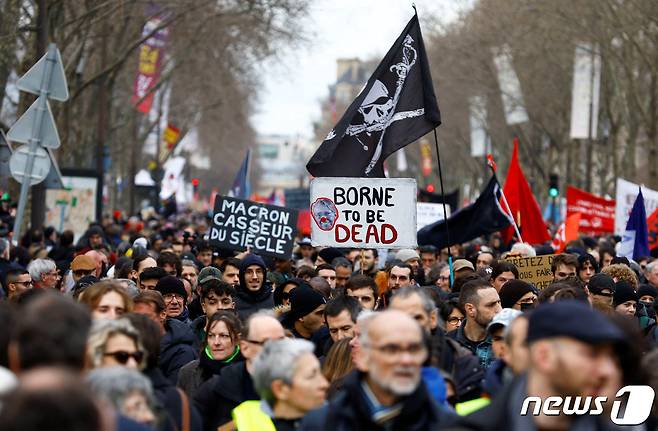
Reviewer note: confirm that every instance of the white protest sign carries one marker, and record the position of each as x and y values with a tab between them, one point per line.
428	213
363	212
626	194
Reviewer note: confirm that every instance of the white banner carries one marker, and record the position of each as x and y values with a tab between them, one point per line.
510	87
626	194
478	123
363	212
585	91
428	213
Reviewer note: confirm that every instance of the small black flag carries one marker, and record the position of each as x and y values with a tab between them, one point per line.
482	217
396	107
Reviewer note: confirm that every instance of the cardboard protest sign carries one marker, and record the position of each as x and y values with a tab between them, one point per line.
363	212
237	224
535	270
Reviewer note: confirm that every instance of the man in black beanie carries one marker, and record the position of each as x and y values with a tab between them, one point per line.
624	300
175	297
517	294
647	295
306	316
253	293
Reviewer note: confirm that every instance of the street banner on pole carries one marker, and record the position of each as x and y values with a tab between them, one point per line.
510	87
585	92
363	213
266	229
151	53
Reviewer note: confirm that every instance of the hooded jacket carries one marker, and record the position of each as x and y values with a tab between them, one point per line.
246	301
177	347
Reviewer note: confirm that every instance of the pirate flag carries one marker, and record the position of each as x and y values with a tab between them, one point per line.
396	107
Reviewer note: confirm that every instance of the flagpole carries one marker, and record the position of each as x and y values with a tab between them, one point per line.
445	213
492	166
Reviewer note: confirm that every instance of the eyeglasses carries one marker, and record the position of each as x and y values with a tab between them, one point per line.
456	320
257	272
122	357
24	283
170	297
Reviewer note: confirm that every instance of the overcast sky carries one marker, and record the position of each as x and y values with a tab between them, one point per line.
290	101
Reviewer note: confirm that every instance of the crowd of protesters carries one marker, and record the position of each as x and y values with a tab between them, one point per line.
142	324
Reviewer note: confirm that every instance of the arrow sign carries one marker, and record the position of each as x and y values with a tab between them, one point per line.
36	80
24	129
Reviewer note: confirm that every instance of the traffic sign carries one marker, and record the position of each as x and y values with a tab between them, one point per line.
18	165
27	127
37	81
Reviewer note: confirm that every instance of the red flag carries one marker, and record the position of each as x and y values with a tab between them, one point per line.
568	231
652	224
598	214
523	204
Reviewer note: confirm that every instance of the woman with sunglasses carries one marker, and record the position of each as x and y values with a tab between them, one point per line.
114	342
220	348
106	300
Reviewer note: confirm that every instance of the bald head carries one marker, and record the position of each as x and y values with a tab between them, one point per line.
99	258
259	328
392	321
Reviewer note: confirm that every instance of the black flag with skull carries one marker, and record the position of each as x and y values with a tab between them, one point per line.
396	107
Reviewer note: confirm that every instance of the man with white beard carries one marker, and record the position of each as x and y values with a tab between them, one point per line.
386	391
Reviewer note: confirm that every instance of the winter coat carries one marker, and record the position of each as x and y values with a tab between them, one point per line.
216	398
349	410
178	347
199	371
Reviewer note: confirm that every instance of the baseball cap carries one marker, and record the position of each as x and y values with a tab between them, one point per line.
573	319
460	264
83	263
503	318
209	273
305	241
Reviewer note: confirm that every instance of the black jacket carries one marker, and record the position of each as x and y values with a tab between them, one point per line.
455	359
217	397
169	404
177	348
349	410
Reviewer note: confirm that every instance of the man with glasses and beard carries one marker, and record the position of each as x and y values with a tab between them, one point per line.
386	392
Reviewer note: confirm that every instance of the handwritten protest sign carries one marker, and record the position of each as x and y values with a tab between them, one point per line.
535	270
237	224
363	212
428	213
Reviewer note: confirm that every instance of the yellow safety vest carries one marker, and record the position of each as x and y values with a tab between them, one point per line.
248	416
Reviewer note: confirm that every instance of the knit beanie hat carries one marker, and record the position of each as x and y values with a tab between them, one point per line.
600	282
303	300
171	284
623	292
647	289
512	291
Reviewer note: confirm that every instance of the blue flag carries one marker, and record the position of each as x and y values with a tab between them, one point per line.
241	187
635	241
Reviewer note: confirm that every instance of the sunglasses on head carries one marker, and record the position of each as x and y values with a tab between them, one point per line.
122	357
